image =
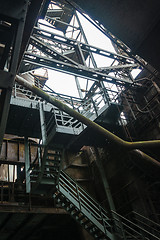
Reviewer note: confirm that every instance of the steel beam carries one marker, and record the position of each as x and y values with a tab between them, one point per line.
106	97
50	51
117	68
78	88
104	132
80	71
84	46
58	21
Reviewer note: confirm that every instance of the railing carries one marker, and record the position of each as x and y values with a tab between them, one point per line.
65	120
84	203
19	90
71	101
145	222
91	107
132	230
88	106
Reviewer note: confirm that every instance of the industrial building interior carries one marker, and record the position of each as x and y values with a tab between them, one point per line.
85	165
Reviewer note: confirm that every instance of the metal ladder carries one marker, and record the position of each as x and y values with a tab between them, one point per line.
47	171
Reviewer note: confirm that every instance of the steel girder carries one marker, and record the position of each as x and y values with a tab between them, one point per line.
80	70
84	46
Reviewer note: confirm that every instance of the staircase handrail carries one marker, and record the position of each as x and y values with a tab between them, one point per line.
148	225
83	195
133	226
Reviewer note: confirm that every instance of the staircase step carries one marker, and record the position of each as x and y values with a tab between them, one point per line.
52	167
85	221
70	207
48	160
82	217
35	170
89	226
75	212
56	195
33	176
95	230
49	171
53	154
48	181
52	163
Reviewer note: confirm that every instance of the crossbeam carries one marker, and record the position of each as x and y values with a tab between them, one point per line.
72	42
80	71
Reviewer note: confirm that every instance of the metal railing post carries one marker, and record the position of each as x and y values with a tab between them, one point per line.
27	166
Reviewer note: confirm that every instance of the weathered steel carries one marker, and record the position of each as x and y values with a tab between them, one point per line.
80	71
84	46
110	136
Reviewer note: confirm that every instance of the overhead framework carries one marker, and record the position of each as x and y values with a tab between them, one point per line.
109	100
69	52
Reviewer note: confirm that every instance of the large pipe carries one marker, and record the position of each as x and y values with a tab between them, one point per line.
110	136
146	157
130	146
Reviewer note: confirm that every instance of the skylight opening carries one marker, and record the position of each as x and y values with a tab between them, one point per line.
82	62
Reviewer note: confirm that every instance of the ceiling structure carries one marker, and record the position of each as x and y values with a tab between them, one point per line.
112	98
135	23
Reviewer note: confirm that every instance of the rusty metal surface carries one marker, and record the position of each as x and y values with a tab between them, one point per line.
110	136
12	155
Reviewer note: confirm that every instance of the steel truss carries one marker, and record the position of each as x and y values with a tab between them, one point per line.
70	52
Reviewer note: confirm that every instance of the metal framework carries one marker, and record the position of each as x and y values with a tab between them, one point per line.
108	99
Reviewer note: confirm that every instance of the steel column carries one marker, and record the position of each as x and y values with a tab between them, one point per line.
78	87
6	93
43	124
104	180
107	189
106	98
27	165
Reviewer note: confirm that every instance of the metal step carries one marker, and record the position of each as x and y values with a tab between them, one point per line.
79	216
48	172
48	181
92	217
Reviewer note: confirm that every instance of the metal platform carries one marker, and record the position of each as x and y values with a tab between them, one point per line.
24	120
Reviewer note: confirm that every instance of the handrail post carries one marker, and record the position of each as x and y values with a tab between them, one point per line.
79	199
100	209
94	106
27	165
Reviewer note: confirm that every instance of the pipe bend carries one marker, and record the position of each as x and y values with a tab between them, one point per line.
110	136
142	144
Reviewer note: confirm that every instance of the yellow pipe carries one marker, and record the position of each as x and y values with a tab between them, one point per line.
110	136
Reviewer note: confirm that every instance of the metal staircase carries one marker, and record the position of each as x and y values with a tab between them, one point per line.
44	175
47	178
93	217
86	211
